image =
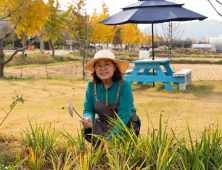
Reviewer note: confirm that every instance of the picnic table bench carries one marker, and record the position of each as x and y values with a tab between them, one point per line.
184	73
148	77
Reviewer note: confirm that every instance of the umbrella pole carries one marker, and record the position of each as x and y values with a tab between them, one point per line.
153	52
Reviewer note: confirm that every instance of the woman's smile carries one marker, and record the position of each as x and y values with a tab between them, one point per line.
104	73
104	69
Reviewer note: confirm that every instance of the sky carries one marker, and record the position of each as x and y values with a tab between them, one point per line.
200	6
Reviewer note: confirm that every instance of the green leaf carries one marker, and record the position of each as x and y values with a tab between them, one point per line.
21	100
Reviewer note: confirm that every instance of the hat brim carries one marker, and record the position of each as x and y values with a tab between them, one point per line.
122	64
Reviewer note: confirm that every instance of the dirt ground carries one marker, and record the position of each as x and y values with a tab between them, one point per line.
74	71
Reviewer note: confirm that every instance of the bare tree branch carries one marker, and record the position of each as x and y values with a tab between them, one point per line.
16	11
214	7
219	2
11	57
9	33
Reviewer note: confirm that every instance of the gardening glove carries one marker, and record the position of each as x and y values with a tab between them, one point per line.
86	123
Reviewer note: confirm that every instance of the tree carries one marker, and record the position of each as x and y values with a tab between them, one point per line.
142	38
172	32
107	32
118	39
77	24
13	37
93	22
100	32
57	21
214	6
23	15
188	39
33	19
130	34
193	41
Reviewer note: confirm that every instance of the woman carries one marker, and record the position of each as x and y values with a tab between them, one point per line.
106	94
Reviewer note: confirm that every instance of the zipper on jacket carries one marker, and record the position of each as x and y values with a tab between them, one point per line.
106	97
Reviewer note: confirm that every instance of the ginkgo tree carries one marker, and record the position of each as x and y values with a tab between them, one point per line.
100	32
117	40
77	26
56	20
130	34
24	16
107	32
94	22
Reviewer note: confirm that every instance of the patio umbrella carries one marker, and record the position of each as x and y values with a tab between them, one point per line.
150	12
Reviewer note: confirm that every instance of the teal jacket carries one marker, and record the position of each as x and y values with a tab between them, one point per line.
126	100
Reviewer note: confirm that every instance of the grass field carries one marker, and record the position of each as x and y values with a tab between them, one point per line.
45	101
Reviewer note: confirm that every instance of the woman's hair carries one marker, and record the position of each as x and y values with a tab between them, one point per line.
116	76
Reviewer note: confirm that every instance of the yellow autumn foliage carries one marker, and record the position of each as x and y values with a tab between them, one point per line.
34	14
56	20
101	33
130	34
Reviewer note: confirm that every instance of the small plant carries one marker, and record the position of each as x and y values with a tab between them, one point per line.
15	99
40	144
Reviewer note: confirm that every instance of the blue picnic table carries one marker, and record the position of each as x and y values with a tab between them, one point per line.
147	77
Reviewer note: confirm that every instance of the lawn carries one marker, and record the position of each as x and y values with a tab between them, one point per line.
37	148
46	99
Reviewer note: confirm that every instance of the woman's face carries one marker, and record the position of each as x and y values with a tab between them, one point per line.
104	69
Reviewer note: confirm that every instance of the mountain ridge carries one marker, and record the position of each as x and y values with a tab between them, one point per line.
194	29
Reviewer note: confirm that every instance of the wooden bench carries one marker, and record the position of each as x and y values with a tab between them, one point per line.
184	73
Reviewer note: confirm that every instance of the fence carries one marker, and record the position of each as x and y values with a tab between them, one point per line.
69	71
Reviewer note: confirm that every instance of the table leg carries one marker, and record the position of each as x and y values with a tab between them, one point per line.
135	72
145	72
169	70
167	85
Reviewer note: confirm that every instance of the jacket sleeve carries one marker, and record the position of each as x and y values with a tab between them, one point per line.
125	106
89	109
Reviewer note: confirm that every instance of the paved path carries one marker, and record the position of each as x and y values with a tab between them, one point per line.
57	52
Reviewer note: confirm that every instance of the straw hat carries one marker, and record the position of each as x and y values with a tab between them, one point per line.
106	54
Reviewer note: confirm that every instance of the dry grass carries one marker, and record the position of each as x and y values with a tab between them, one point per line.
45	101
74	71
39	58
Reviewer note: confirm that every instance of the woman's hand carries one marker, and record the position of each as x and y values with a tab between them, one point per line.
86	123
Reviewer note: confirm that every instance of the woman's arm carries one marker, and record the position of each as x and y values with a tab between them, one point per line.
89	109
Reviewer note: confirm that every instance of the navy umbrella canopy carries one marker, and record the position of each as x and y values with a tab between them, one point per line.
152	11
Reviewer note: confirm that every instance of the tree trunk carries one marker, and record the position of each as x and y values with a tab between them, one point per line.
94	48
41	43
83	62
121	47
1	60
53	50
23	37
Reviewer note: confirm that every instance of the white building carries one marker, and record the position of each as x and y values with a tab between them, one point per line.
216	43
